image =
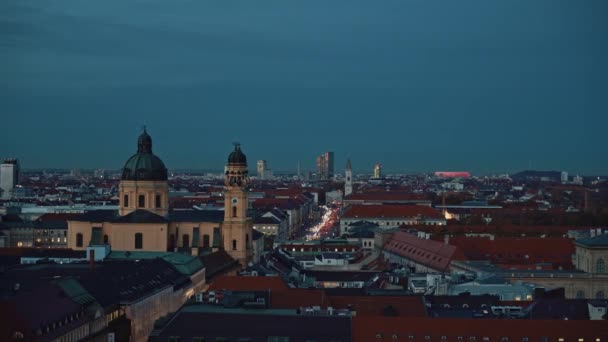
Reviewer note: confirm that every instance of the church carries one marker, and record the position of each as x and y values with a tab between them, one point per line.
145	222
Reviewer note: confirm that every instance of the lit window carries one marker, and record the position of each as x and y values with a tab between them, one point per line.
517	298
561	339
581	340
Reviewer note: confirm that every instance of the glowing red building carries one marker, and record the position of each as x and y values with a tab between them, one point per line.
453	174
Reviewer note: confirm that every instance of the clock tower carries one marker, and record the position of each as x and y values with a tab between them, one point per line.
237	230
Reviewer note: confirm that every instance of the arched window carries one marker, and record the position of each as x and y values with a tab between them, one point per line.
580	294
139	240
125	200
105	239
186	240
234	245
233	211
157	201
600	295
247	241
600	266
206	243
79	240
141	201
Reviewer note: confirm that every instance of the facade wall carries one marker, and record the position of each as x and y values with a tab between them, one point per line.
388	223
586	259
147	188
177	230
145	312
122	236
579	287
75	228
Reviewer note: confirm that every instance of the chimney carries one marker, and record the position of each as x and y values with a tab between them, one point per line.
91	259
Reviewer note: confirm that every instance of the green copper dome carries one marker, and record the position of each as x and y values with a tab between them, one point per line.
144	165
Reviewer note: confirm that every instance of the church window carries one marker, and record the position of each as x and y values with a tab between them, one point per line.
125	200
79	239
195	236
157	201
139	240
600	266
233	211
141	201
186	240
234	245
206	241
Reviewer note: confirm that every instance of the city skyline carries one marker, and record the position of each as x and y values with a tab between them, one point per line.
482	87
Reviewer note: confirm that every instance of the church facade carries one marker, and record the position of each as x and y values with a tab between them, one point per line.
145	222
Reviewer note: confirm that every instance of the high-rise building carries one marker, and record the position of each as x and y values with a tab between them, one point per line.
9	177
564	177
262	167
377	171
348	179
325	166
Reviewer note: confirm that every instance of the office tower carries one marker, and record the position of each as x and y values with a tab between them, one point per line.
325	166
9	177
377	171
262	168
564	176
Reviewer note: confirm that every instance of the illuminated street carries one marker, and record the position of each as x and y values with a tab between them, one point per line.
322	229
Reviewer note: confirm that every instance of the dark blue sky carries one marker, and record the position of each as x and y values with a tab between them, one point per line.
418	85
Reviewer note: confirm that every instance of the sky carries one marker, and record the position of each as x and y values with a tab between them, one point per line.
486	86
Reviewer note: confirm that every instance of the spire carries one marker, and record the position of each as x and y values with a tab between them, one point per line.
348	166
144	142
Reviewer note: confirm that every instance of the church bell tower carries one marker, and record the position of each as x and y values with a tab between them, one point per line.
237	230
348	179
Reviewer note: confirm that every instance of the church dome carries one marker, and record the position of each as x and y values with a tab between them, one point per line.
144	165
237	157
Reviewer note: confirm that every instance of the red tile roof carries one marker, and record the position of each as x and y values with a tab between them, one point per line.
57	217
238	283
517	251
405	306
373	328
386	196
390	211
296	298
433	254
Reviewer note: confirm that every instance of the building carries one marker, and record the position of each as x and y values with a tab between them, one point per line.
564	177
248	316
367	329
144	221
421	255
263	171
452	174
141	287
325	166
391	216
348	179
377	171
9	177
